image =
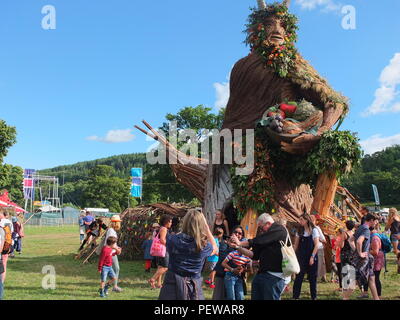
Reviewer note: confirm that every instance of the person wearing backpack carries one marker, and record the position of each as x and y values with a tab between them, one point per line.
376	250
2	238
7	226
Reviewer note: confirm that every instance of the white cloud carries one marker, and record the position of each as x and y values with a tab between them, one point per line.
114	136
222	93
386	94
378	143
325	5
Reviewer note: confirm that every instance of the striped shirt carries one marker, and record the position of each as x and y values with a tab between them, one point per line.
237	258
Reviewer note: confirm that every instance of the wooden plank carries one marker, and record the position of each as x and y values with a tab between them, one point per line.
249	223
324	193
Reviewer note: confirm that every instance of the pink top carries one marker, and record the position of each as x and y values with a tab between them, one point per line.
379	259
337	249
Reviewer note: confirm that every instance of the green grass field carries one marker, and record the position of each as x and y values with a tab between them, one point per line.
57	246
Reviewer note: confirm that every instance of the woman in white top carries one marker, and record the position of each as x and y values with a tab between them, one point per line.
321	255
306	246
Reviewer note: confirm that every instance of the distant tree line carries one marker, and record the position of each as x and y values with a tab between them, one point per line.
382	169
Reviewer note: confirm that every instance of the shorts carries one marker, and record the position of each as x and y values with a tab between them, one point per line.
107	272
393	237
163	261
210	266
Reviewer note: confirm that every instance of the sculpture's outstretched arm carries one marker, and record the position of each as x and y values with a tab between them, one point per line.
188	171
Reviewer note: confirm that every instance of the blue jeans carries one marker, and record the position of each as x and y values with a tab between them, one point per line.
1	290
233	287
266	286
107	272
18	244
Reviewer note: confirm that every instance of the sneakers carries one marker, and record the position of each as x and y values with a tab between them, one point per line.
212	285
363	296
106	287
117	289
101	292
208	281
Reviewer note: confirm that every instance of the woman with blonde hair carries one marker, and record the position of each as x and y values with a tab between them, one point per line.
221	222
393	224
187	253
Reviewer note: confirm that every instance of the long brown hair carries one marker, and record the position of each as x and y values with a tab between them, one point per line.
194	225
310	224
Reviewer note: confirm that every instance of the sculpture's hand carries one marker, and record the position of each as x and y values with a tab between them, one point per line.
301	145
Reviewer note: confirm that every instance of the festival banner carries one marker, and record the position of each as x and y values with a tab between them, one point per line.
29	184
376	195
136	185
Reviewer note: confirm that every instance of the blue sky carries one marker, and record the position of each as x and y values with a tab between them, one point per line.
74	93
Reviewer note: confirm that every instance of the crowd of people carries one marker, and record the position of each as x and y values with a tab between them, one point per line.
228	259
11	234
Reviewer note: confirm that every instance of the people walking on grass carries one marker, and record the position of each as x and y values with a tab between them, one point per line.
162	262
321	252
220	221
212	260
364	261
188	251
146	245
379	257
393	224
270	281
306	246
17	235
105	269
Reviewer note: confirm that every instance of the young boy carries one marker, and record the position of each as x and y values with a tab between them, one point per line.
105	265
212	260
146	246
235	265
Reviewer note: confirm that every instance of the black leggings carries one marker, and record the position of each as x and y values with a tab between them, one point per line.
378	282
339	270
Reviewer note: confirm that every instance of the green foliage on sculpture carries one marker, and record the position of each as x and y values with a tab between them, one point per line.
279	55
338	151
255	191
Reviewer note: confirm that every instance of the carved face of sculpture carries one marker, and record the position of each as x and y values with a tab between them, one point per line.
275	30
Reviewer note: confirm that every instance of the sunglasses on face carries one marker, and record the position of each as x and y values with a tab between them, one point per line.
237	232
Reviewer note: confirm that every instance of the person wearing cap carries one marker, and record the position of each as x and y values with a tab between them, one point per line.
17	235
112	230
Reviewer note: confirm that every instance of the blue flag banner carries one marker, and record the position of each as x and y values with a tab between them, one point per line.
376	195
136	185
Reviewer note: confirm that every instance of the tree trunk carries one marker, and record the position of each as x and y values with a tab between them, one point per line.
249	224
218	190
325	192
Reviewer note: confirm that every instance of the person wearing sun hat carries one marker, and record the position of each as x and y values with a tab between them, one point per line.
112	230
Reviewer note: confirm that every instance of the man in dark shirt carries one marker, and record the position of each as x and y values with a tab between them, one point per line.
364	211
269	282
365	264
